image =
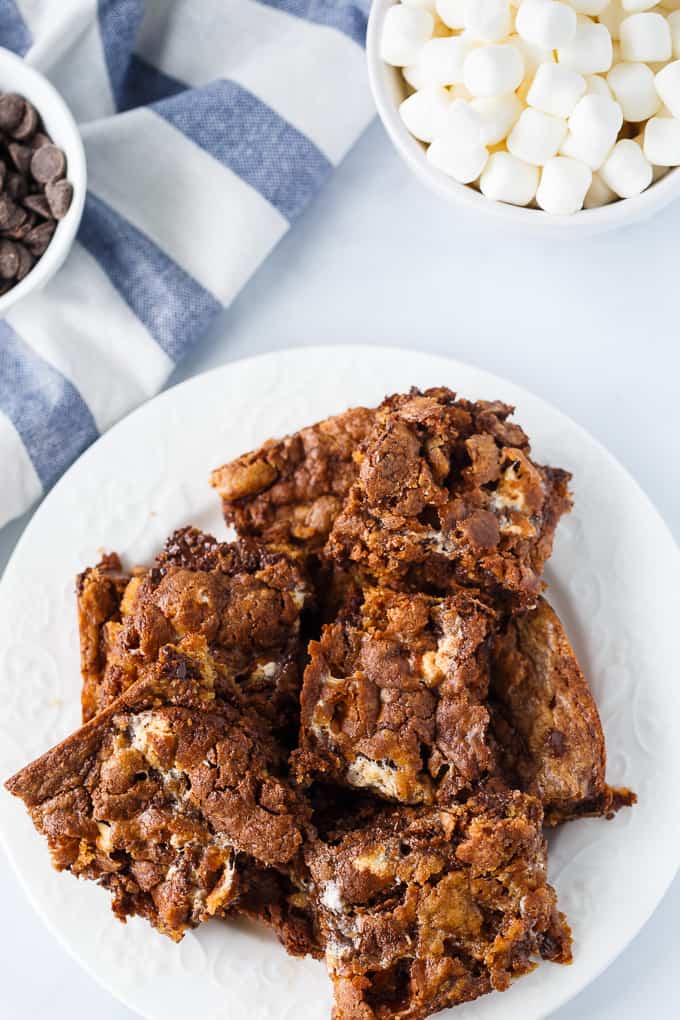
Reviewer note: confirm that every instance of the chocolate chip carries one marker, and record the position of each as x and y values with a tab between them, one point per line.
59	195
21	157
7	210
9	260
39	237
38	204
11	111
47	164
16	186
19	232
39	139
26	261
28	125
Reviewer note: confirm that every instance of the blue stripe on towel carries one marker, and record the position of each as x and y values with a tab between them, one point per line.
145	84
348	16
119	23
14	34
48	412
244	134
173	306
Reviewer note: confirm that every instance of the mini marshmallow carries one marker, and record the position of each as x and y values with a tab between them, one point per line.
427	5
646	37
667	84
598	194
591	7
441	60
556	90
593	128
627	171
499	114
674	25
596	86
493	70
488	20
414	75
638	5
546	23
590	51
533	56
662	141
611	17
536	137
508	179
405	29
462	163
563	187
634	90
451	12
463	125
424	112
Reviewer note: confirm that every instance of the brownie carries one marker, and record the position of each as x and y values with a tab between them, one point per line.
546	719
447	495
393	696
168	796
291	490
281	899
245	599
424	908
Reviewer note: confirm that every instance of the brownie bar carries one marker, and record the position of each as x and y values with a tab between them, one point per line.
393	696
291	490
246	601
448	496
169	795
426	908
546	720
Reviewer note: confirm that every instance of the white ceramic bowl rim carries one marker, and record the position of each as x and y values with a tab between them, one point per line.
619	213
61	126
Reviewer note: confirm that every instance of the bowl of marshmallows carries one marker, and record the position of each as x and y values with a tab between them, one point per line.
546	113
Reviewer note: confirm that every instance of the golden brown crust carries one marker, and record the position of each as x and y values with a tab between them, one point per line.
393	696
292	489
99	591
167	794
426	908
547	721
448	496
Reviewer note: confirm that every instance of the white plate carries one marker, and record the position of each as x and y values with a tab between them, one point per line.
613	578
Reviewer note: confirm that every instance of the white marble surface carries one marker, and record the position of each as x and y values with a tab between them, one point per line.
591	327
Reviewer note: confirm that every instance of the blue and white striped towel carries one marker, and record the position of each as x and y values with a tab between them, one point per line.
208	126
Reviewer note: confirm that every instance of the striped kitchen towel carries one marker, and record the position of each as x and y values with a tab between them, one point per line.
208	126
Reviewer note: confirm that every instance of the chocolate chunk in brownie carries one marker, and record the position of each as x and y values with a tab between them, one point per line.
393	696
546	720
291	489
167	795
447	495
425	908
245	599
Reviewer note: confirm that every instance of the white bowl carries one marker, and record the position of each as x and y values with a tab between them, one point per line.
389	88
18	76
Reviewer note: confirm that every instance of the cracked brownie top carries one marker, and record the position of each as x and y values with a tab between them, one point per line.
167	794
291	490
424	908
447	495
393	696
546	720
244	599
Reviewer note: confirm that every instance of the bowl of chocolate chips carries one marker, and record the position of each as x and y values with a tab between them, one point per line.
42	179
